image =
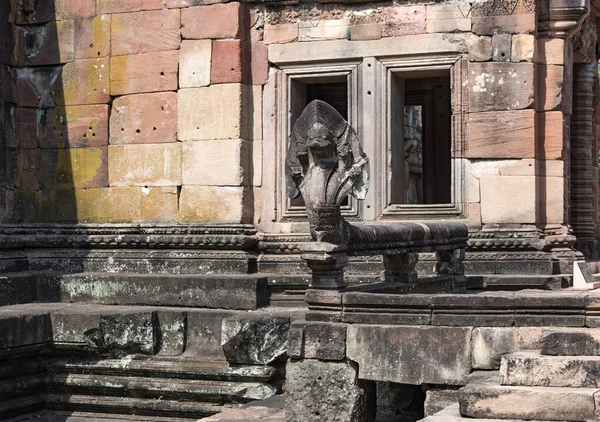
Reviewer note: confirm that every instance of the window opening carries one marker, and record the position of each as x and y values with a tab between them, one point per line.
423	174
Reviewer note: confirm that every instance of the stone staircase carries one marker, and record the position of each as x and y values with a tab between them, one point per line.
137	347
560	382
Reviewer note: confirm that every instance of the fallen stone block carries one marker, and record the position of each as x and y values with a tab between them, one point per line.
257	339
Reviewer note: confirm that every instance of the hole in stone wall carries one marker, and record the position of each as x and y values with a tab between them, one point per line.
400	402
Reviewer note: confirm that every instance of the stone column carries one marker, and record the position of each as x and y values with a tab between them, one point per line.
584	160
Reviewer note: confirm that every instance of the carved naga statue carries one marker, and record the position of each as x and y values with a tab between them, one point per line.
325	163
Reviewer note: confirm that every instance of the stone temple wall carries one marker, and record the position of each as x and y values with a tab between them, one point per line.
109	116
177	111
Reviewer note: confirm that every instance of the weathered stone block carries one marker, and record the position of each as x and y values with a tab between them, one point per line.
214	204
511	24
528	368
204	333
31	86
199	158
551	204
214	21
328	29
389	353
226	62
172	327
28	170
500	86
144	118
74	168
448	17
552	51
92	37
73	126
364	32
76	9
524	48
75	326
325	341
495	208
404	20
27	128
437	399
145	32
527	403
144	204
83	81
280	34
256	340
550	129
146	72
570	342
476	48
530	167
119	6
23	329
501	47
128	332
491	343
501	134
312	387
549	87
27	12
214	112
195	63
145	165
259	70
45	45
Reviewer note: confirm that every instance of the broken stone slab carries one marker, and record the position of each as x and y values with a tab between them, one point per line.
327	391
571	342
411	354
256	339
529	368
490	400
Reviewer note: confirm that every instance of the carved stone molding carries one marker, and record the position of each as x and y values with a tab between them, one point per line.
585	41
561	18
129	236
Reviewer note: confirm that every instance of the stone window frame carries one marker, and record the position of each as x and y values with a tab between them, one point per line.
390	69
369	80
280	129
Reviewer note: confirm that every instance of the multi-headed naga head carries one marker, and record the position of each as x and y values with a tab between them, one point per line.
324	164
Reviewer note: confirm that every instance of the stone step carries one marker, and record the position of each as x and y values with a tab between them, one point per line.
197	391
129	406
61	416
529	368
491	400
179	368
515	282
452	414
224	291
571	342
15	406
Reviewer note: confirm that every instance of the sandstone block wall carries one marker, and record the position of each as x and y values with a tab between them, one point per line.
104	100
129	111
